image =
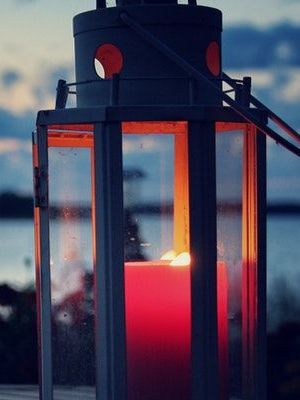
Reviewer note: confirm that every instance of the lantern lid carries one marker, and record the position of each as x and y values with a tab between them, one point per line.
150	14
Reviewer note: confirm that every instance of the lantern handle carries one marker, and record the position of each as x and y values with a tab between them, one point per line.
173	56
274	117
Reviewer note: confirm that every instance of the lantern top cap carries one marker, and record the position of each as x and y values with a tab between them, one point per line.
148	14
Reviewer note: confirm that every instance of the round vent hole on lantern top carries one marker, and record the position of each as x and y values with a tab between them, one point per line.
213	61
108	61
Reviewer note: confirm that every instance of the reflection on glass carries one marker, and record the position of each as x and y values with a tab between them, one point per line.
71	269
157	275
148	190
229	173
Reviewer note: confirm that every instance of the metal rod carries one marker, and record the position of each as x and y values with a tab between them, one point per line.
109	263
172	55
274	117
132	78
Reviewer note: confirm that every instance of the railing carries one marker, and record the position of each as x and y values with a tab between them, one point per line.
241	103
237	84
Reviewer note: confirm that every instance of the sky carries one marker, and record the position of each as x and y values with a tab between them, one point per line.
36	37
261	39
40	31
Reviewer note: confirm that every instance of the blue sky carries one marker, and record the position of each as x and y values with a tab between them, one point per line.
40	31
261	39
36	38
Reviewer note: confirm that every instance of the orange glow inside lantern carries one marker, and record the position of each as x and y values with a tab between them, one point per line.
158	304
158	292
157	287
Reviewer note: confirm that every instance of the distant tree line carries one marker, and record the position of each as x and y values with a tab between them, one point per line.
13	205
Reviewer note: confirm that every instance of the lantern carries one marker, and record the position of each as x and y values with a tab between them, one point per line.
160	293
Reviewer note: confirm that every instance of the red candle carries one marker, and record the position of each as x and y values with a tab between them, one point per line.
158	330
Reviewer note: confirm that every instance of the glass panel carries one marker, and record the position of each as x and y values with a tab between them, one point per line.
229	173
156	273
148	191
71	266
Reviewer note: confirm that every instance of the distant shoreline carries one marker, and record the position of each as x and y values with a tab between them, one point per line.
14	206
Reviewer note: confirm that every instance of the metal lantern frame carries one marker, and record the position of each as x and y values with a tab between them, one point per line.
203	122
177	77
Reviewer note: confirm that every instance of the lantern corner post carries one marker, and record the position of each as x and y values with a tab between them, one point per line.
202	195
262	265
42	260
110	333
254	266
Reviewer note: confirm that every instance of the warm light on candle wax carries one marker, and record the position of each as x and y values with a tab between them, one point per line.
158	327
181	260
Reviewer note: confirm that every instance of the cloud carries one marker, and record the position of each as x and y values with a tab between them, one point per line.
269	56
244	48
21	96
10	78
261	78
32	90
251	47
45	87
279	87
8	146
18	98
16	126
16	164
25	1
290	92
18	173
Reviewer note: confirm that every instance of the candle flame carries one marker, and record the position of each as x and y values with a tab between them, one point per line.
177	260
169	255
182	260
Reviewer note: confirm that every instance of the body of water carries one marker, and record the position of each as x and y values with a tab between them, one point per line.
283	251
156	236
